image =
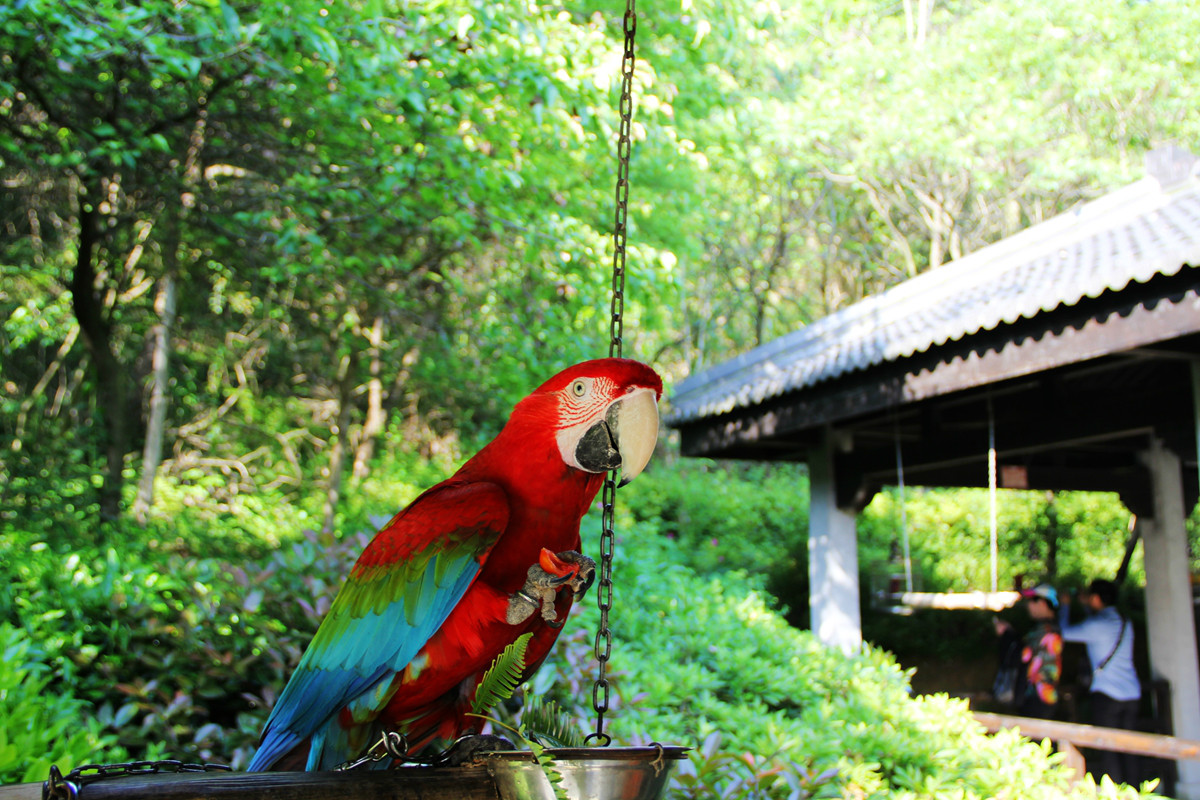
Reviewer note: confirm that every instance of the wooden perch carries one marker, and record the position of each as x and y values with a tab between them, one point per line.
410	783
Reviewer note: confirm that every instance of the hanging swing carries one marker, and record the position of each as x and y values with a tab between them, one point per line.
596	772
993	549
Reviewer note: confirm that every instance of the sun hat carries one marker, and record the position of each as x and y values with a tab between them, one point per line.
1043	590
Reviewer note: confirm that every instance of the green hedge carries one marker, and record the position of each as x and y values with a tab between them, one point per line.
704	661
135	647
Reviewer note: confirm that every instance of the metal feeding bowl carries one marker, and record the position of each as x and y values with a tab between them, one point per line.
588	773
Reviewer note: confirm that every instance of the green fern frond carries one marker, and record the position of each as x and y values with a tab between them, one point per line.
548	723
550	770
502	677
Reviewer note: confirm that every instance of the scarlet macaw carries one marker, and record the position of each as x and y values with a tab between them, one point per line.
469	566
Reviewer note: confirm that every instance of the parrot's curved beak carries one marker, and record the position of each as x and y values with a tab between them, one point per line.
624	439
633	421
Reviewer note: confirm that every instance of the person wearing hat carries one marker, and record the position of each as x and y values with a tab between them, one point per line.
1115	688
1041	654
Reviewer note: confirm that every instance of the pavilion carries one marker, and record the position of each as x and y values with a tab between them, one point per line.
1073	347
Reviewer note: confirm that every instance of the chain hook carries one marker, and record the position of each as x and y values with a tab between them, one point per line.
391	744
56	787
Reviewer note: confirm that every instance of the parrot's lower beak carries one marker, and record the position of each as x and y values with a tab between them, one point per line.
624	439
634	423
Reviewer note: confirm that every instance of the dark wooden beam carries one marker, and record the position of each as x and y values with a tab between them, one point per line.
1102	335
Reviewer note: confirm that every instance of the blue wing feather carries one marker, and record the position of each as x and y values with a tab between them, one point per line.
379	623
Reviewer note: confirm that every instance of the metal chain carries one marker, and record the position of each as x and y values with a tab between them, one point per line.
603	649
59	787
624	149
391	744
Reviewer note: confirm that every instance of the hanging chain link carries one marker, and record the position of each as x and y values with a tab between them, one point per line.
608	499
391	744
624	149
60	787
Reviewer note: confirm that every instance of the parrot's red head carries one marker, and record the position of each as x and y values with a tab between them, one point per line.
603	415
607	415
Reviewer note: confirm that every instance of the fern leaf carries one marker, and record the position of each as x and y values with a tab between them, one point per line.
549	723
550	770
502	677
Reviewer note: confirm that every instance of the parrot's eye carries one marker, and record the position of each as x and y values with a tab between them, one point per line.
579	388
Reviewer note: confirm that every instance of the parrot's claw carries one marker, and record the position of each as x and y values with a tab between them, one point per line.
541	586
465	748
581	581
539	592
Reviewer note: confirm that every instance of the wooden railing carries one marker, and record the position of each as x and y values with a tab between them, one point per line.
1070	736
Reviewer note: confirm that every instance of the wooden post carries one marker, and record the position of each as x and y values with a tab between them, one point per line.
1170	621
832	556
1072	759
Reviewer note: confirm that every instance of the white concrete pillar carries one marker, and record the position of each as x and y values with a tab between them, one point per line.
832	557
1170	620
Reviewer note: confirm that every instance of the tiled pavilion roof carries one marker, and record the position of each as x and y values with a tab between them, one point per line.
1130	235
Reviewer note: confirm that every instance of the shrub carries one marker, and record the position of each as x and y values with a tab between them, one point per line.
705	662
163	653
1071	536
40	726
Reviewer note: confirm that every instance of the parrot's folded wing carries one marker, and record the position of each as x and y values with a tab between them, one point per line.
405	584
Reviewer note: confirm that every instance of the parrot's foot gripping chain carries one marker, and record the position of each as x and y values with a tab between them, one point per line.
543	582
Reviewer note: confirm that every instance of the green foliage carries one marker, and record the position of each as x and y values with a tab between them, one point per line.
502	677
704	661
729	516
545	760
934	634
42	725
1068	537
389	220
545	722
384	217
167	653
173	653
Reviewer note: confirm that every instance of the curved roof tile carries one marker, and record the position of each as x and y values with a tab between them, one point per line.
1131	234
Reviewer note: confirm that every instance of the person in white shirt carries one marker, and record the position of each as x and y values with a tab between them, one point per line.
1115	688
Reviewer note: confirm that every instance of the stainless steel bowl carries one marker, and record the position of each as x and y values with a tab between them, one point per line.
597	773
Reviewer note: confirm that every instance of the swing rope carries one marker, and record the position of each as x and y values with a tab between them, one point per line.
992	489
908	581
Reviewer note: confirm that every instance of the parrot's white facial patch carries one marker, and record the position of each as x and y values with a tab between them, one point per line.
602	427
580	407
584	402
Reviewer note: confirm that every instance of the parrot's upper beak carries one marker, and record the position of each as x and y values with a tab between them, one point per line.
624	439
634	423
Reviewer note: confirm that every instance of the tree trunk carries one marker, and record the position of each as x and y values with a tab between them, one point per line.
113	380
1135	534
164	305
924	13
156	424
376	419
341	443
1053	537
